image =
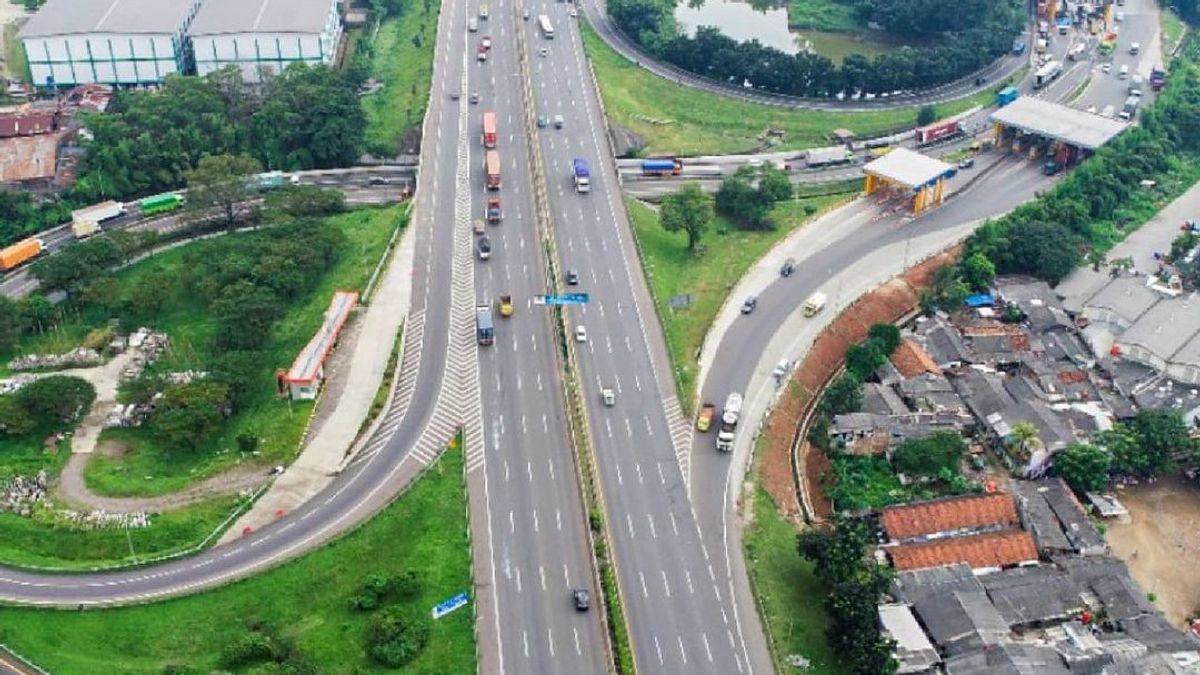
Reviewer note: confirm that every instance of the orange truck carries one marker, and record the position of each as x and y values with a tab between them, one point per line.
19	253
489	130
492	166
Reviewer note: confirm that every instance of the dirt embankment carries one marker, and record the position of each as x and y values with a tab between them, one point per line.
886	304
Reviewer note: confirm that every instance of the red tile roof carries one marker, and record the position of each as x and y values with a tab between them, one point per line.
949	515
911	360
994	549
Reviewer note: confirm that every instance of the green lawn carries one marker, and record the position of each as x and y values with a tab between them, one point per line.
1173	29
149	469
14	54
305	601
724	256
25	542
403	62
678	120
788	594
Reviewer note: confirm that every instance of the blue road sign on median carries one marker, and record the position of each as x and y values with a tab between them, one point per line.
447	606
566	299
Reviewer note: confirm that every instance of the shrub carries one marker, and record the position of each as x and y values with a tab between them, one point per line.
395	637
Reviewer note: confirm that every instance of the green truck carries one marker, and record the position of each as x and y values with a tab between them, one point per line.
164	203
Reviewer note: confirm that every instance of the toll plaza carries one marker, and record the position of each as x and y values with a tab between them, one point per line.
908	176
1061	134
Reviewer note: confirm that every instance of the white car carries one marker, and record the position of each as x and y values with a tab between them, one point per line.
580	333
487	41
573	13
1106	67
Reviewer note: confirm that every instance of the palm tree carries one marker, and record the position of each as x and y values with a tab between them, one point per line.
1025	434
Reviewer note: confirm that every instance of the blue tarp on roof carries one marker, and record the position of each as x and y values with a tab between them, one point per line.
980	300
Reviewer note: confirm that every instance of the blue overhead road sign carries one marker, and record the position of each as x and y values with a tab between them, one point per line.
447	606
567	299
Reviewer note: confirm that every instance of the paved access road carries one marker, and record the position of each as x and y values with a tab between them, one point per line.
681	620
539	551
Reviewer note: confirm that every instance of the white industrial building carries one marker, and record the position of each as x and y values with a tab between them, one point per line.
123	42
264	36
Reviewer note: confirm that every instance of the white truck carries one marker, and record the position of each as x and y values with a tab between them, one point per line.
729	422
86	221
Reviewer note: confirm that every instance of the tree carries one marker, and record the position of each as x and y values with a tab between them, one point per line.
886	336
12	323
56	399
305	201
931	455
774	185
688	210
188	414
1160	435
838	554
864	359
1026	436
926	115
843	395
245	314
978	272
738	200
14	419
1084	467
221	183
310	119
395	637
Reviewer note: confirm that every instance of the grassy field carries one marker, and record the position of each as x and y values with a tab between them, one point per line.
28	543
14	54
403	62
724	256
305	602
1172	31
678	120
788	593
823	15
148	469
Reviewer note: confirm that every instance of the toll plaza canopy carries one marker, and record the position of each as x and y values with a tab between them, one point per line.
910	170
1058	122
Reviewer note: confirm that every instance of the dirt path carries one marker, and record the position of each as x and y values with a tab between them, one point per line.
1159	543
72	489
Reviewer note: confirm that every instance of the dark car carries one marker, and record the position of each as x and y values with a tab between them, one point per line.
378	180
750	304
789	266
967	163
572	278
581	599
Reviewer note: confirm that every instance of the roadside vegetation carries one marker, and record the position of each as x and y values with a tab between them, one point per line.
399	56
785	587
14	53
708	272
679	120
823	15
315	614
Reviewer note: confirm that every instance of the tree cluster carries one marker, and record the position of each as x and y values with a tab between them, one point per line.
954	43
748	196
21	216
844	394
44	404
934	456
261	648
866	357
854	586
1051	236
1150	444
307	117
689	210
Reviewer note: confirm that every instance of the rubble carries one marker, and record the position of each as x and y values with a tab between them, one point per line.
27	497
76	358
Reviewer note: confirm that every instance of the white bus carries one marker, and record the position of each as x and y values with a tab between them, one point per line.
544	24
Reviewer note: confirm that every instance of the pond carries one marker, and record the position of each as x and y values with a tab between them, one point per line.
743	21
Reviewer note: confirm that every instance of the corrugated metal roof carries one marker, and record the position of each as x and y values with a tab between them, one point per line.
907	167
1059	122
224	17
309	361
77	17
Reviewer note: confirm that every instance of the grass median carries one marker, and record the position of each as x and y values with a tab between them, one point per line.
678	120
402	60
725	254
304	604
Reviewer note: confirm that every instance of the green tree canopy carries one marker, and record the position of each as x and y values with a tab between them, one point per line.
221	183
189	414
929	456
689	210
843	395
1084	467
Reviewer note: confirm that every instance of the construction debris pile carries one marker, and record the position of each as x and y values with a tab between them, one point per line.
76	358
27	497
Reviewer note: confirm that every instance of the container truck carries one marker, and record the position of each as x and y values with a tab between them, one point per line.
583	177
828	156
82	229
152	206
20	253
98	213
491	165
489	130
936	132
1129	109
493	213
485	332
729	421
1007	95
665	166
1046	74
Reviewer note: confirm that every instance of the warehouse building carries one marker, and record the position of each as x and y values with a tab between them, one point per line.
123	42
264	36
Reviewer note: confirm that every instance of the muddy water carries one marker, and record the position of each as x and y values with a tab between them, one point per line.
1161	543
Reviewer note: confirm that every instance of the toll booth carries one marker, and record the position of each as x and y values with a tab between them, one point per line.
908	175
1041	130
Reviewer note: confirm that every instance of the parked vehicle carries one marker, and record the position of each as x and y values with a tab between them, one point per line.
20	253
705	417
729	422
664	166
1158	77
581	175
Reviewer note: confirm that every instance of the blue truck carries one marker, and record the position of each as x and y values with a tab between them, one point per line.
1007	95
583	177
667	166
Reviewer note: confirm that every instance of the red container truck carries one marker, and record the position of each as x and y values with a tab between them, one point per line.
936	132
489	130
